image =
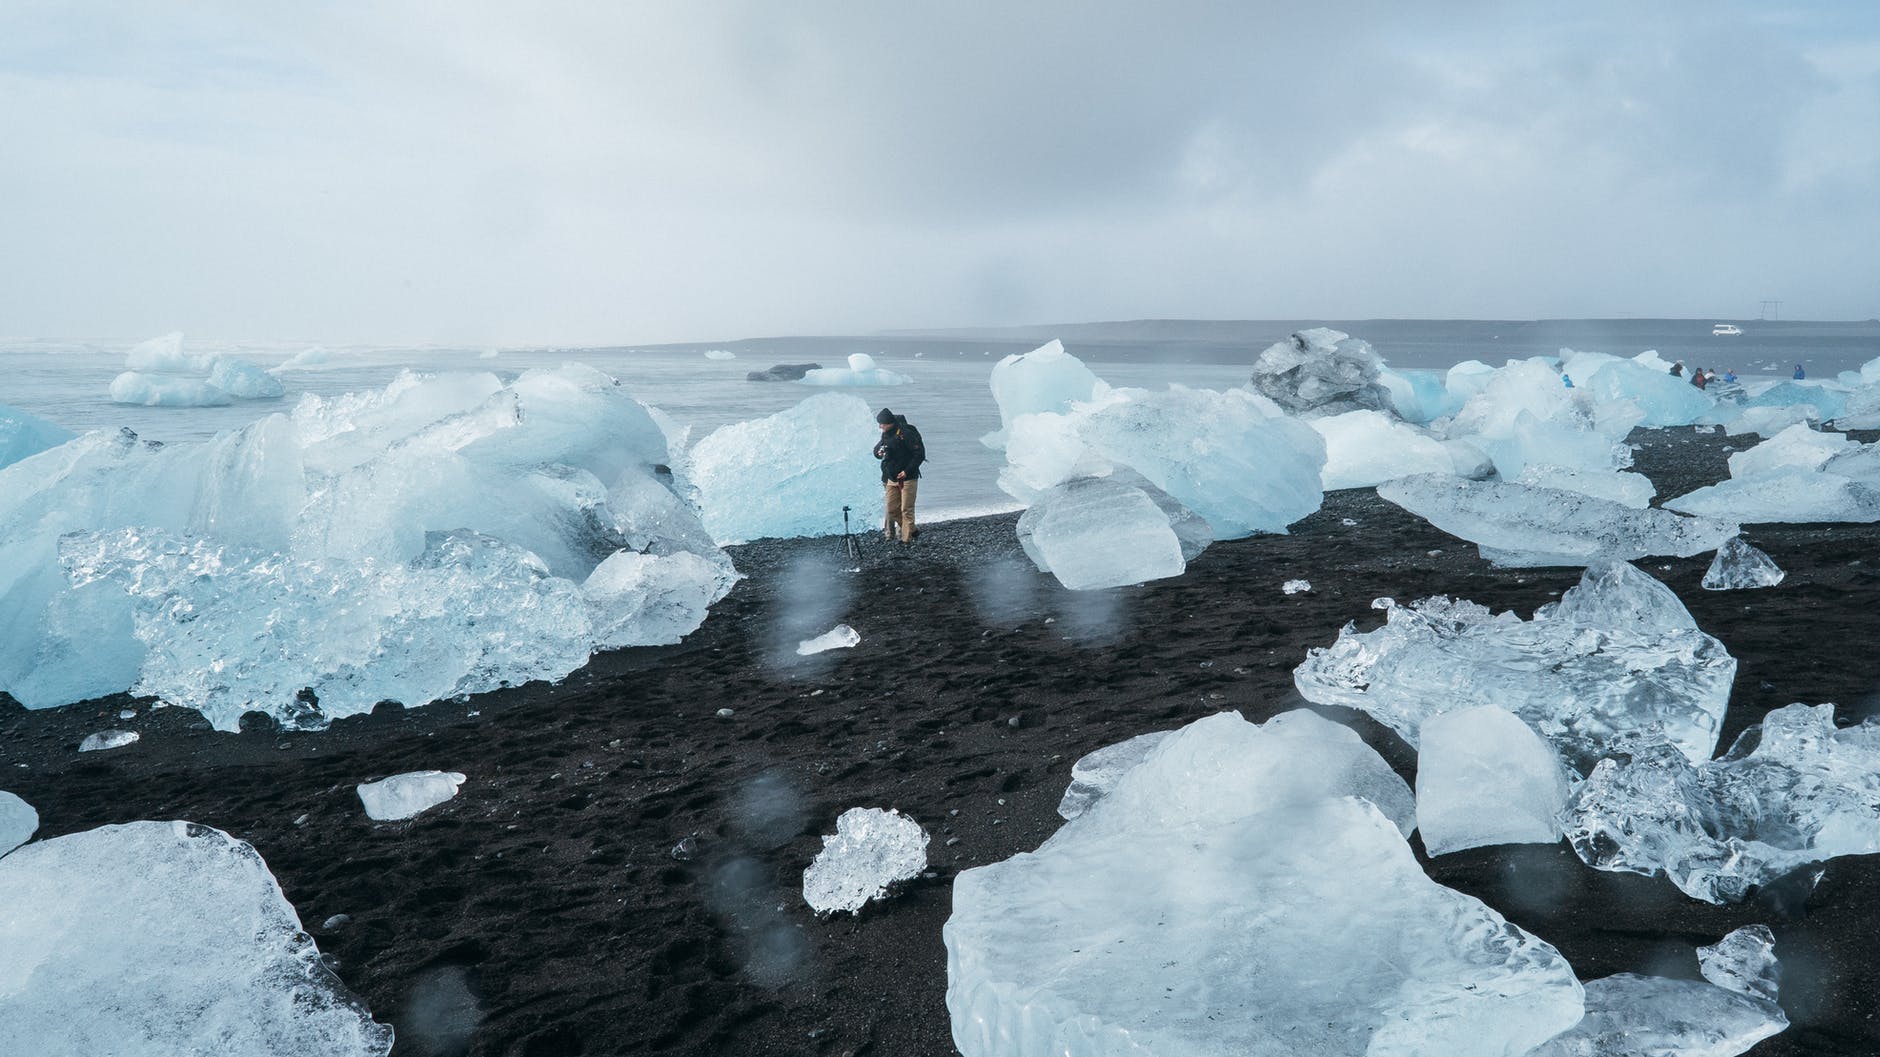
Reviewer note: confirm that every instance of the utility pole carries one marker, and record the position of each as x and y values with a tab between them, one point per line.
1772	310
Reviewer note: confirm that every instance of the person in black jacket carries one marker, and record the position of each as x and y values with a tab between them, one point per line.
901	453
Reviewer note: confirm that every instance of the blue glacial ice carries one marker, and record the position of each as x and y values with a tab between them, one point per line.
1797	447
1484	777
1096	773
1790	495
861	371
1367	448
1623	487
1617	657
441	536
22	434
788	474
158	390
243	380
157	938
1046	379
1098	532
18	822
166	355
1240	891
1769	421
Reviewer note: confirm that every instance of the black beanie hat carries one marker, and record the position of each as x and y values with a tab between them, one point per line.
885	417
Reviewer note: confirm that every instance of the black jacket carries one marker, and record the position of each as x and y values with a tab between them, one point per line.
900	450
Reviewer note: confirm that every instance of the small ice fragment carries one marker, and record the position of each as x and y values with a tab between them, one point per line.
107	739
337	921
1739	565
1293	587
720	354
1348	521
127	713
1484	777
840	637
870	850
1744	962
18	822
404	796
725	713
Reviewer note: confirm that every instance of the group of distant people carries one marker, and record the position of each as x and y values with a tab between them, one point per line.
1701	377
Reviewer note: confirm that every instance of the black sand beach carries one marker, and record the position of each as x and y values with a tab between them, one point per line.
549	888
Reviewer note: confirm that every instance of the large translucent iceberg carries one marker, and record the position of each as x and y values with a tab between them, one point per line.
1792	791
1797	447
1623	487
438	537
1234	894
861	371
1484	777
1365	448
788	474
1046	379
1827	402
1321	370
1663	398
870	850
1097	532
1523	525
1618	657
158	390
22	434
1787	495
159	938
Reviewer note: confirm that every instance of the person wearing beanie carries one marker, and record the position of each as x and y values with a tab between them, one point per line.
901	453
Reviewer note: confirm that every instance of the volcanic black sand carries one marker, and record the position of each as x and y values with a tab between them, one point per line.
547	901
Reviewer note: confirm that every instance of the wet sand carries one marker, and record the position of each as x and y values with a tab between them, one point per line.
549	890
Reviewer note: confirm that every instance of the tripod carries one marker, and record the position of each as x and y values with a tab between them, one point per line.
849	544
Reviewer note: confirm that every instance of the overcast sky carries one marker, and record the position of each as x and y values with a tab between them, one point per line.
629	173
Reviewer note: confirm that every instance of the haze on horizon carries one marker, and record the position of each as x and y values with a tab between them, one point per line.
608	173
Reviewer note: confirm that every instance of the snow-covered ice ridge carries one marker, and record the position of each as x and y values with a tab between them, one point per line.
445	535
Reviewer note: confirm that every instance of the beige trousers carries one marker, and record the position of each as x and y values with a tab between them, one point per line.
900	508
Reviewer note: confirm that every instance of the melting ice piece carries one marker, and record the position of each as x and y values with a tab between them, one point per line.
18	822
1046	379
156	390
1278	913
1521	525
639	599
840	637
1792	791
1097	532
1797	447
1366	448
862	370
244	380
408	795
1739	565
1619	656
164	938
1633	490
1648	1016
1484	777
1294	587
1786	495
1095	773
870	850
787	474
1321	370
107	739
22	434
720	354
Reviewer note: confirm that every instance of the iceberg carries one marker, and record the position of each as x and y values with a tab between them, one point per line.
156	390
1798	447
408	795
1623	487
1096	773
1617	658
312	356
1665	399
720	354
870	850
1792	791
1321	370
1046	379
1237	892
1418	396
158	938
1828	403
1769	421
1791	495
244	380
18	822
22	434
1484	777
787	474
840	637
1367	448
1097	532
782	372
1730	1010
165	355
862	370
1739	565
1522	525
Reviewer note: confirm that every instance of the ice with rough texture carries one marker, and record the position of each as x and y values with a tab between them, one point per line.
1788	495
18	822
1623	487
1739	565
840	637
1235	893
22	434
1797	447
1046	379
1524	525
157	390
870	850
788	474
1321	370
1097	532
1294	587
1096	773
433	538
1484	777
408	795
861	371
1617	658
1792	791
159	938
108	739
244	380
1366	448
1726	1013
